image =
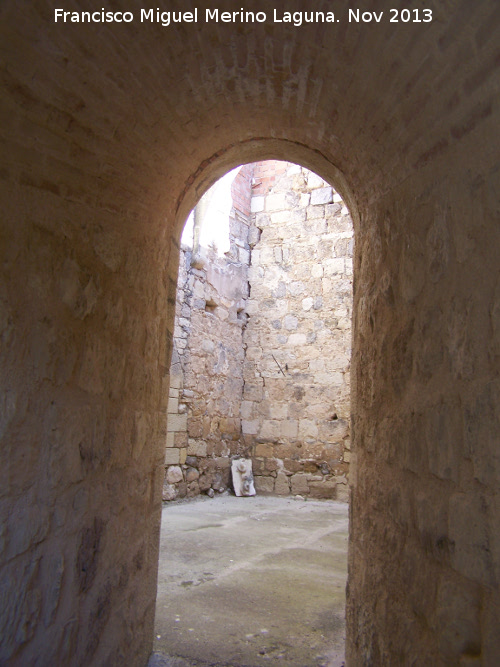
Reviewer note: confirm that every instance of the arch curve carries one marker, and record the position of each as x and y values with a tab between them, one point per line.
254	150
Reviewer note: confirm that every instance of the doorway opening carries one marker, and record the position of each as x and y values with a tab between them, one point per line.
260	370
262	337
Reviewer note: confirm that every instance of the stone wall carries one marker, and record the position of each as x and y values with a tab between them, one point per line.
261	356
203	426
296	398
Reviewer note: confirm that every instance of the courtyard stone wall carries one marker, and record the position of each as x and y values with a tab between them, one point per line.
206	373
258	367
296	398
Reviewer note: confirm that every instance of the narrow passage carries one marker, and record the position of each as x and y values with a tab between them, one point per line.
245	582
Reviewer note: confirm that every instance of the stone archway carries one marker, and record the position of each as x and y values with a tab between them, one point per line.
109	132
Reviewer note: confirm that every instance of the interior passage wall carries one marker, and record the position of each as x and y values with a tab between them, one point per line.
110	132
296	398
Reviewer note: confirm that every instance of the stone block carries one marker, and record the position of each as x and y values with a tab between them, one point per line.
277	411
292	466
271	465
334	266
257	204
222	462
296	288
299	484
333	430
289	428
253	353
297	339
252	391
197	448
174	475
313	180
308	428
317	271
291	322
315	212
246	409
270	429
195	427
264	484
193	489
250	427
176	423
324	490
169	492
205	481
180	439
281	486
172	457
170	440
321	196
264	450
280	217
173	405
275	202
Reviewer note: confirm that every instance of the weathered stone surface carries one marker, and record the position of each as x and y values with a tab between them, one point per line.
264	484
299	484
281	486
197	448
323	489
321	196
172	456
191	475
176	422
169	491
174	474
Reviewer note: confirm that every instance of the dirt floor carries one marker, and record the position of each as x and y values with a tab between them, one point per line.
247	582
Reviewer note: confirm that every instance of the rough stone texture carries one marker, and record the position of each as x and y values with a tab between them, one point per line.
110	133
206	372
298	334
299	421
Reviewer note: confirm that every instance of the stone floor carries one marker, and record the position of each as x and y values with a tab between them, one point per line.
246	582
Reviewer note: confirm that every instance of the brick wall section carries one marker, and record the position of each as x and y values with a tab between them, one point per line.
241	189
265	175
